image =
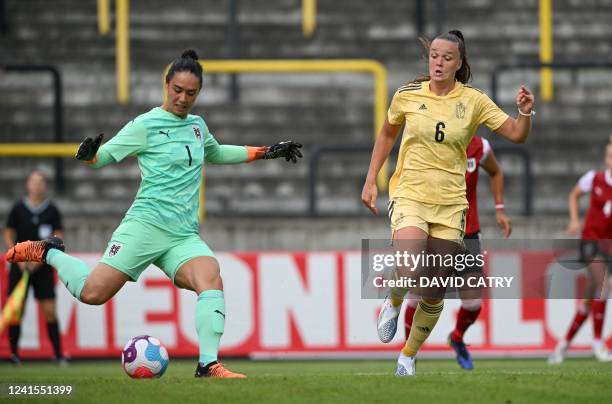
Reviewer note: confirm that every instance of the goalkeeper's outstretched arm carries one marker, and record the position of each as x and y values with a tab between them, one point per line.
229	154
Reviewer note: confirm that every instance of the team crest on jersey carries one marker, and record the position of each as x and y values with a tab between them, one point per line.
471	165
460	110
197	133
114	249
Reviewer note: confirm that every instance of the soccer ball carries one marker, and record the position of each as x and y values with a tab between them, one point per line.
144	357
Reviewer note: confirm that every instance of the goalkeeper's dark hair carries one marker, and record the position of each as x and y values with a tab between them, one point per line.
464	74
188	62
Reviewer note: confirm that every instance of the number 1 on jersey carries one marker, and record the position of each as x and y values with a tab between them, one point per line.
189	154
439	133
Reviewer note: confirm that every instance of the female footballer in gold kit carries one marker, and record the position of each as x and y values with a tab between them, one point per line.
440	113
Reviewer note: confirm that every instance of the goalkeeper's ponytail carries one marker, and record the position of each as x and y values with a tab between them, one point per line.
188	62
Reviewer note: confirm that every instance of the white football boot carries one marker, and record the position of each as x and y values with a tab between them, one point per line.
406	365
386	324
558	355
600	351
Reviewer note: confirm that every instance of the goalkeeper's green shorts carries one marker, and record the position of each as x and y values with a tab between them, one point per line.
135	245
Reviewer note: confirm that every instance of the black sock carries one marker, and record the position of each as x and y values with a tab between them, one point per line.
53	333
14	333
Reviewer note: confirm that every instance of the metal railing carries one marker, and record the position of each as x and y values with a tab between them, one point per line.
122	42
373	67
122	49
319	152
309	17
122	38
3	19
420	16
315	66
103	7
309	25
545	11
313	168
58	118
233	46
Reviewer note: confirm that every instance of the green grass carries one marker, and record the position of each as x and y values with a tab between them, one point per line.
493	381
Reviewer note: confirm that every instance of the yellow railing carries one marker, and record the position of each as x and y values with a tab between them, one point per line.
313	66
122	37
546	49
373	67
309	17
122	43
103	17
123	50
38	149
318	66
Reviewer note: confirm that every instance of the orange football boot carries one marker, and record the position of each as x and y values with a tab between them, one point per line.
217	370
33	251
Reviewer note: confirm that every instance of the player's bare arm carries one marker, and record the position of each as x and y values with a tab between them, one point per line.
517	129
382	148
492	167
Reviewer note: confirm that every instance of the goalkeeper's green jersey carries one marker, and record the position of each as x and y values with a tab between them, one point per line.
170	152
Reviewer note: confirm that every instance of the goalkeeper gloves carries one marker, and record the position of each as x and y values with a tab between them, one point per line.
290	150
88	148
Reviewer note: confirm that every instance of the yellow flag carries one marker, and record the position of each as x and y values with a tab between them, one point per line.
11	312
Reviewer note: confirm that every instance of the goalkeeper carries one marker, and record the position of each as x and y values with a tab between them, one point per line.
161	227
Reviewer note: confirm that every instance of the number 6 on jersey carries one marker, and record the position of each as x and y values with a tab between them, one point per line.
439	133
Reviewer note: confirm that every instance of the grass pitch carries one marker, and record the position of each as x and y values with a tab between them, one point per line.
437	381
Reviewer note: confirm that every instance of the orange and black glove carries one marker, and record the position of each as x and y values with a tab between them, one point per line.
289	149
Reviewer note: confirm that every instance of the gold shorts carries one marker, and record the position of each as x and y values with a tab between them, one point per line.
446	222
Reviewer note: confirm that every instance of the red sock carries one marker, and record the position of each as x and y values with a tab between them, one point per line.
465	318
598	309
576	324
408	319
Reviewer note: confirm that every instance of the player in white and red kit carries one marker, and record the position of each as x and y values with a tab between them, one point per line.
479	154
595	252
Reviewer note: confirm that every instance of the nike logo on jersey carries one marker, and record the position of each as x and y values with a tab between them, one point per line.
167	133
217	311
423	107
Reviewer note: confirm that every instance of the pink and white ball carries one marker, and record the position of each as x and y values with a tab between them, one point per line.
144	357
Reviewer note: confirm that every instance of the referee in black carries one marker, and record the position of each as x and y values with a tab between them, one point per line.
35	218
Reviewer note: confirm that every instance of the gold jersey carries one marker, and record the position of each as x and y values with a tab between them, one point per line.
432	158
